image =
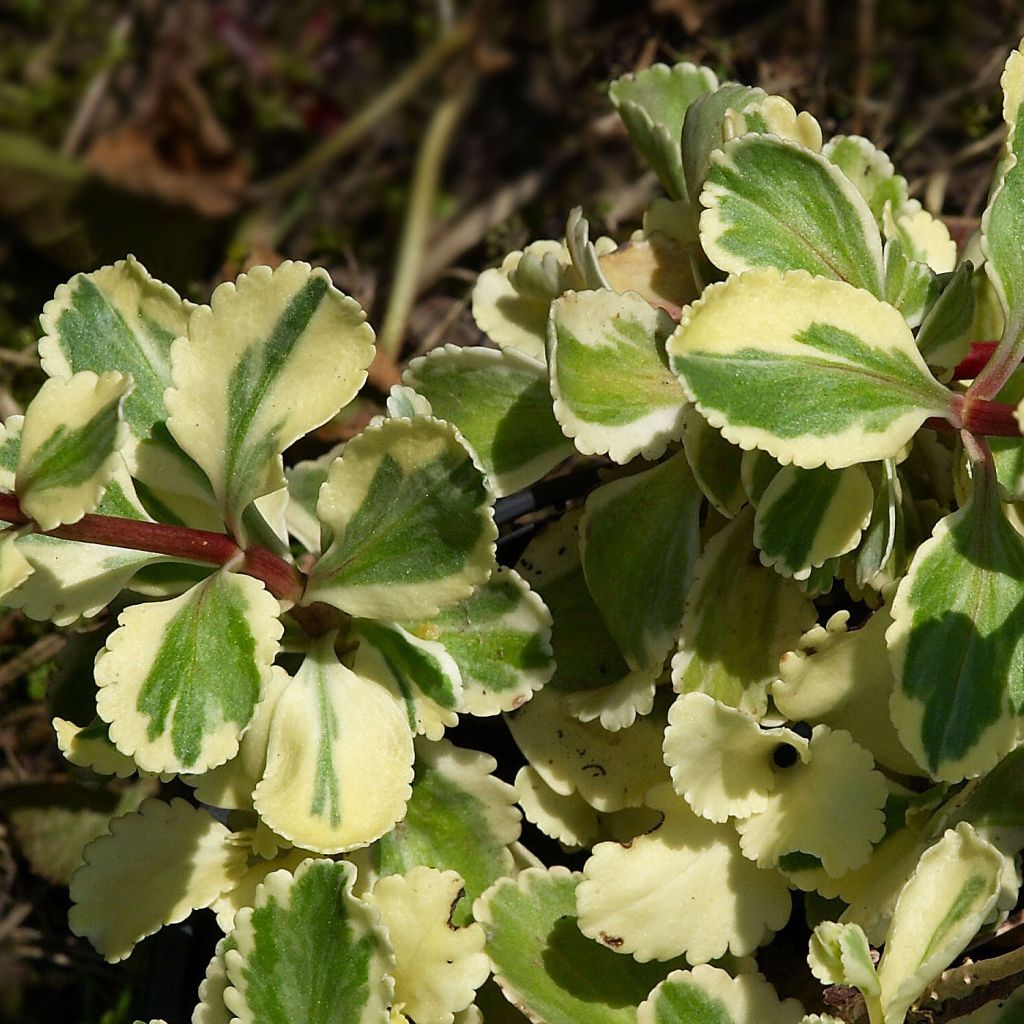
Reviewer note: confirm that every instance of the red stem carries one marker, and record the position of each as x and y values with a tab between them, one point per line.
281	578
982	418
975	360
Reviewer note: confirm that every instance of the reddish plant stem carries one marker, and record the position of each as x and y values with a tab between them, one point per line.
281	578
975	360
981	418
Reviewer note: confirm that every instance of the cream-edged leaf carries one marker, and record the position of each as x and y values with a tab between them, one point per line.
617	705
841	678
154	867
421	671
70	439
211	1009
243	892
708	995
500	639
775	115
15	568
511	302
613	392
304	482
725	902
404	402
639	540
574	979
275	354
870	170
839	955
955	643
339	757
769	202
807	516
586	655
179	679
438	967
116	318
945	335
938	912
584	253
461	818
811	370
410	518
829	806
652	104
274	979
740	618
720	759
715	463
610	770
500	403
89	746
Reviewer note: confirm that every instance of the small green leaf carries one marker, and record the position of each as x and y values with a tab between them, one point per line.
807	516
707	995
275	354
771	203
870	170
410	519
812	371
613	392
461	817
421	670
639	541
500	638
938	912
955	641
69	446
179	679
274	979
652	104
911	286
840	955
500	403
339	757
117	318
575	979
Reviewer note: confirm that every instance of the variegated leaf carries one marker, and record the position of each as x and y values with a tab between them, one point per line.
811	370
945	335
610	770
840	955
304	482
339	757
243	892
841	678
586	655
117	318
576	979
438	967
461	818
740	618
721	761
613	392
70	440
179	679
955	644
870	170
275	354
420	670
731	904
829	806
715	463
500	638
708	995
500	403
772	203
938	912
272	977
775	115
639	542
410	518
652	104
911	286
807	516
154	867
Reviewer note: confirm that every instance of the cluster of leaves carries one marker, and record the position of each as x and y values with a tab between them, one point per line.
762	373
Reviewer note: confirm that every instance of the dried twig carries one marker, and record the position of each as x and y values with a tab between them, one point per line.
45	648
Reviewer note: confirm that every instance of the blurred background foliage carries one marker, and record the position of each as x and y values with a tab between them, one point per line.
404	145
